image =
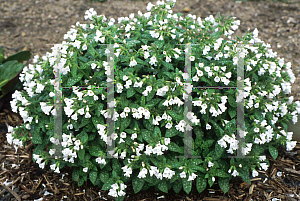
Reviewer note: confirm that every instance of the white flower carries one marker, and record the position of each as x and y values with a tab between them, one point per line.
192	177
146	55
133	63
143	173
153	60
210	164
208	127
254	173
235	173
182	175
85	169
167	141
133	136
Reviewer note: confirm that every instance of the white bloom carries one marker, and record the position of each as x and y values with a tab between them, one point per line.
182	175
254	173
133	63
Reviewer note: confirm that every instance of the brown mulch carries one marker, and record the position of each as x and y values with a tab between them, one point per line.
32	25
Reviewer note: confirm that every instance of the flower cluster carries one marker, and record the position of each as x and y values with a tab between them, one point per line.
149	102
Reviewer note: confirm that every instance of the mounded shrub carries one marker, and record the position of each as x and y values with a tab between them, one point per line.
149	64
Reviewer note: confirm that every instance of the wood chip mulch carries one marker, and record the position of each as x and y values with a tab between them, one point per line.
26	181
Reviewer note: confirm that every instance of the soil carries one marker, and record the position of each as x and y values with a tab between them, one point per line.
35	25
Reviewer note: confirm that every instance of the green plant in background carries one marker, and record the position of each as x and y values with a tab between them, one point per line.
9	69
149	97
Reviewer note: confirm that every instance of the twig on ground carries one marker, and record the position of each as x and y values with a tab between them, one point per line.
12	192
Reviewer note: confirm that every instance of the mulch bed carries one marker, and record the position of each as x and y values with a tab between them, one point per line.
29	182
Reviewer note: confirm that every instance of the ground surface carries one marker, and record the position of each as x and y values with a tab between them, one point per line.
34	25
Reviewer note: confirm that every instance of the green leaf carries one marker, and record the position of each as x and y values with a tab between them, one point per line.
37	138
83	137
148	124
219	150
93	176
171	132
147	135
81	154
159	43
273	151
75	174
259	116
137	184
232	101
210	181
143	100
73	69
150	95
95	150
169	66
174	115
107	184
175	148
177	186
232	112
104	176
157	133
187	185
132	43
153	102
80	181
130	92
208	143
244	173
116	166
8	71
221	173
74	80
201	183
125	123
224	184
163	186
19	56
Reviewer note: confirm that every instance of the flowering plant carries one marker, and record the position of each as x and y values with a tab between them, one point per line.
149	99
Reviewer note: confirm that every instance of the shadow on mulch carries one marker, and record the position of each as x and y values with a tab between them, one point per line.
26	181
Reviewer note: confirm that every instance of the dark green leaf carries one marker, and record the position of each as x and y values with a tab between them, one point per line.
224	184
107	184
163	186
175	148
201	183
95	150
80	181
125	123
130	92
75	174
137	184
273	151
147	135
187	185
74	80
174	115
81	154
171	132
104	176
148	124
93	176
153	102
177	186
19	56
232	112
